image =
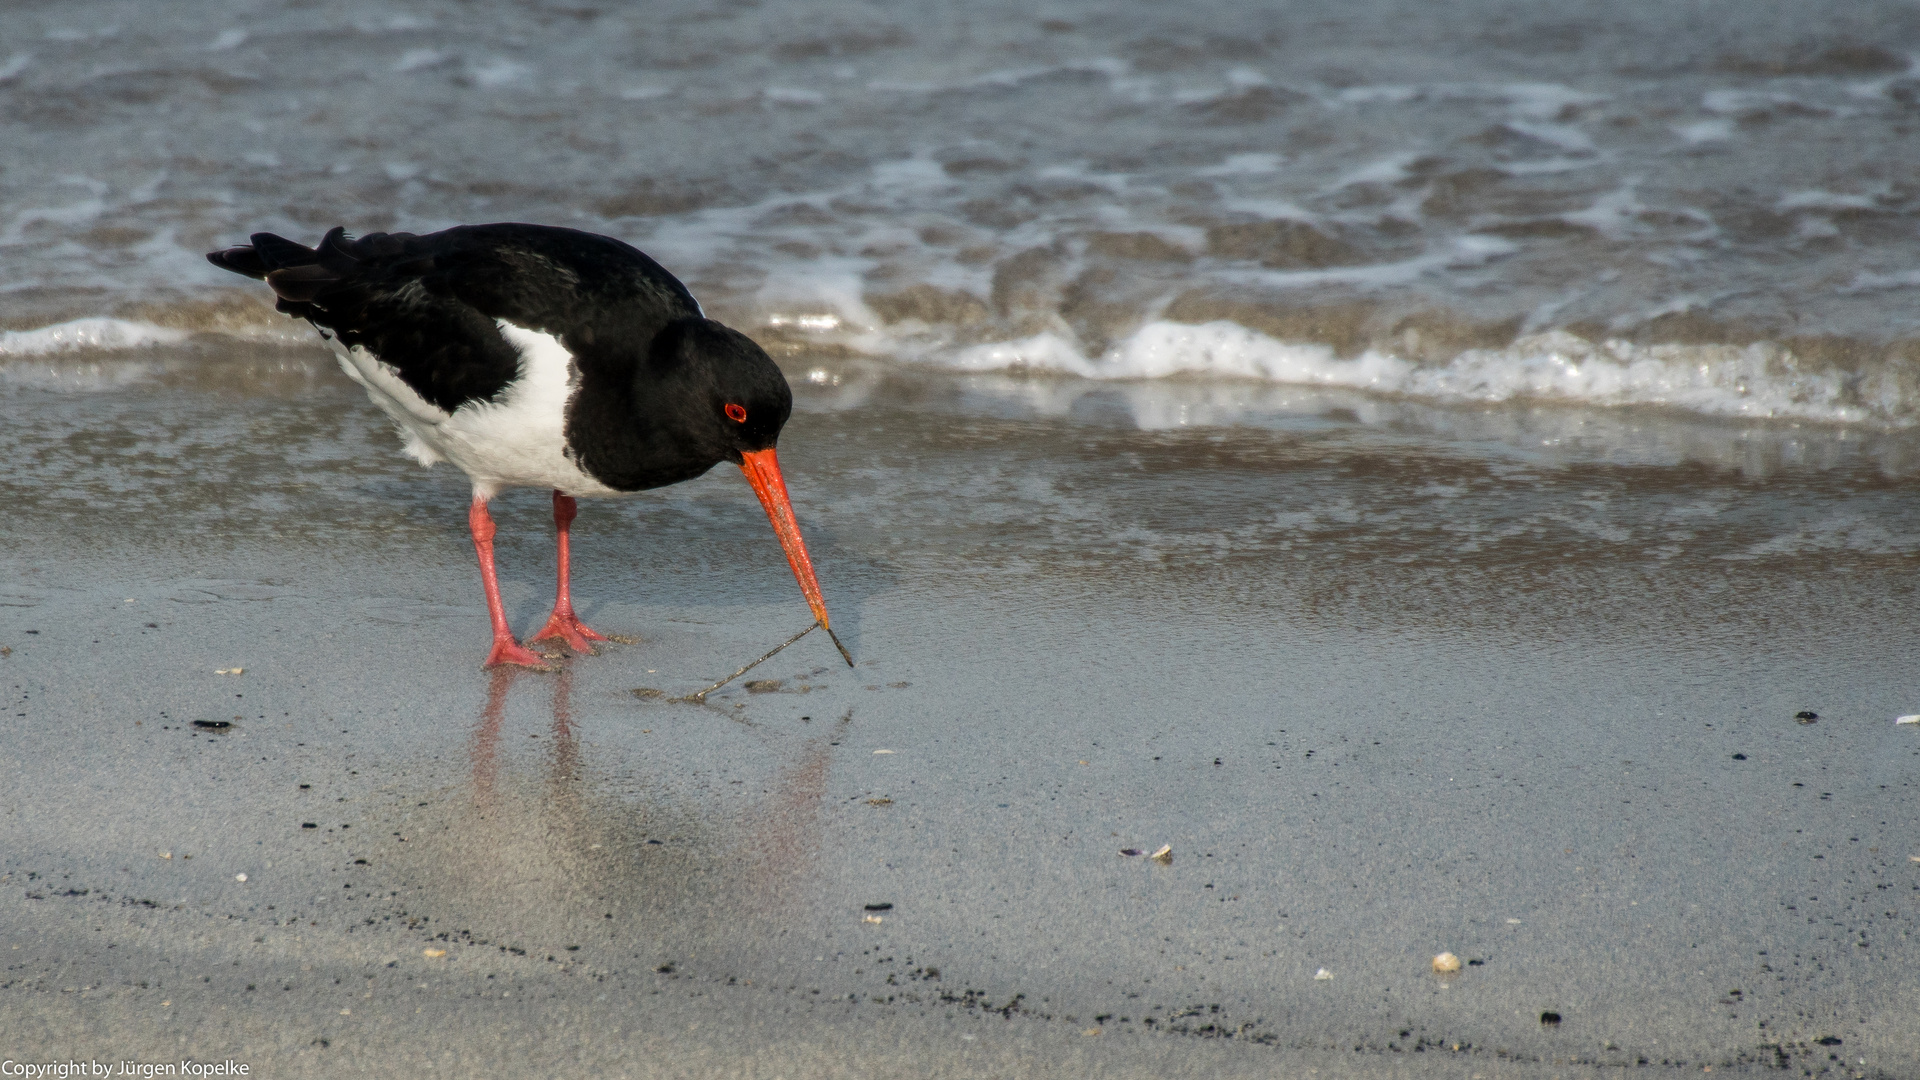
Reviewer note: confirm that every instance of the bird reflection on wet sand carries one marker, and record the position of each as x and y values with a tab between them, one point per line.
618	872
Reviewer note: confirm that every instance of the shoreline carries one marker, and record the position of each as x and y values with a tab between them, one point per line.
1379	697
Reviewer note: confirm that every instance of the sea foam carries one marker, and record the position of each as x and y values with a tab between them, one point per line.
1763	380
87	335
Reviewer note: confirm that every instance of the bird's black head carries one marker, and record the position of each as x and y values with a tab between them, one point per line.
733	398
713	395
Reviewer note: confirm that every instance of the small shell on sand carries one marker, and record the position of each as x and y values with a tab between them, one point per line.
1164	856
1323	974
433	954
1910	719
1446	963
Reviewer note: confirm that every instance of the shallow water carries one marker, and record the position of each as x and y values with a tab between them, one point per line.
1707	206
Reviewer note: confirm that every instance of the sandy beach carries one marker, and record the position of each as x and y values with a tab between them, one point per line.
1445	473
1369	729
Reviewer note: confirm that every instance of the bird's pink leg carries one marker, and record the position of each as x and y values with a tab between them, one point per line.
564	624
505	649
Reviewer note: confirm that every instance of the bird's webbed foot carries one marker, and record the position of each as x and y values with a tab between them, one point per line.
565	626
508	651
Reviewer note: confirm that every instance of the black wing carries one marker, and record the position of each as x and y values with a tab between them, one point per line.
427	304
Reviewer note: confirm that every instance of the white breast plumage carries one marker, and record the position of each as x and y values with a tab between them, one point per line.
516	440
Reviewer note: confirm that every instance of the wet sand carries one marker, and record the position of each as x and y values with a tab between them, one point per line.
1383	694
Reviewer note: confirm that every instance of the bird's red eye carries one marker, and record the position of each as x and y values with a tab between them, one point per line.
737	414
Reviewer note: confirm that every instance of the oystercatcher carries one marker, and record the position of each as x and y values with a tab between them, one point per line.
536	356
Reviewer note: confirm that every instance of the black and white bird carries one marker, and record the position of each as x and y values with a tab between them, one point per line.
532	356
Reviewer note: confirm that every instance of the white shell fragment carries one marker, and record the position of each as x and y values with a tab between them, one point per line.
229	671
1911	719
1164	856
1446	963
1323	974
239	877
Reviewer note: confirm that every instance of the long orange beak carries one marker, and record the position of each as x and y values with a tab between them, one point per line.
762	468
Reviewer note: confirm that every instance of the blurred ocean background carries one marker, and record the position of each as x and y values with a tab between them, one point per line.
1377	211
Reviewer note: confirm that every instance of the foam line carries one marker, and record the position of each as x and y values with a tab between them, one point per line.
1762	380
87	335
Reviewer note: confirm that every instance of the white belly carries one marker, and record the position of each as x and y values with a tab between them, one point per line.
516	440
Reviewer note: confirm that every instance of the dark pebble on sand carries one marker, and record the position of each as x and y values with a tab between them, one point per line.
879	907
309	824
1739	757
1806	716
1550	1019
665	969
213	725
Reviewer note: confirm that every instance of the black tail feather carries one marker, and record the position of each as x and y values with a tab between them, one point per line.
240	260
339	245
301	284
279	252
298	273
265	255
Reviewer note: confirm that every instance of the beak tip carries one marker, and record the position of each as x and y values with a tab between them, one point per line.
844	654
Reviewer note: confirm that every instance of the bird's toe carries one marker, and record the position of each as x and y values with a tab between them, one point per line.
566	627
507	652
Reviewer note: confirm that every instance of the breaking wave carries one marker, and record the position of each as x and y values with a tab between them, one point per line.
1759	381
87	335
1763	380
